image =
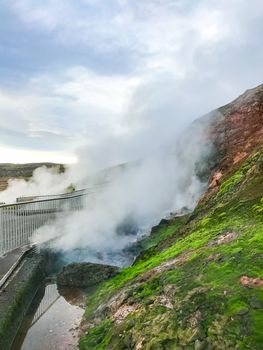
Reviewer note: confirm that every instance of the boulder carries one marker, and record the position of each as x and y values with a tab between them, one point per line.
163	223
85	275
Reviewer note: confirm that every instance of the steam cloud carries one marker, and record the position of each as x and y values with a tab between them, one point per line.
137	196
44	181
159	177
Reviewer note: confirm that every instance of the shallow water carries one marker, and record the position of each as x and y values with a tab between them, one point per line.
52	321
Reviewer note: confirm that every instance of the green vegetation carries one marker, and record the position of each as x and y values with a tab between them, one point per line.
258	208
71	188
185	291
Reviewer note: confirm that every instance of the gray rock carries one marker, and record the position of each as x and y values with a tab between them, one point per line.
201	345
85	275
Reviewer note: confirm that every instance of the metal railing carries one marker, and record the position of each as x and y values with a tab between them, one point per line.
19	221
82	192
51	196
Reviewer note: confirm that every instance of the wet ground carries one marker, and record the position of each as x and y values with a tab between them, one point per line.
9	261
52	321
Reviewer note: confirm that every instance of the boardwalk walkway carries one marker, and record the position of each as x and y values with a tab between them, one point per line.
9	262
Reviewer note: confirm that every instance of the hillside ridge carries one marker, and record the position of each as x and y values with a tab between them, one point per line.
12	171
198	284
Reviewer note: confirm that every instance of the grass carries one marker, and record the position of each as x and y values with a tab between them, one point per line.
210	305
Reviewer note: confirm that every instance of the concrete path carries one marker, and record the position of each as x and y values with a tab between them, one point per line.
9	262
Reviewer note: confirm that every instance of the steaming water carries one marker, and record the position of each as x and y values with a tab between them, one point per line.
120	258
52	321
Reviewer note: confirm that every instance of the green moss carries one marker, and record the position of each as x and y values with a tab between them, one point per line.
257	326
205	221
98	337
163	233
228	185
258	208
209	304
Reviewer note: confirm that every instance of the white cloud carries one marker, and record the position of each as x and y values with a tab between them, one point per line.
14	155
74	106
189	57
86	87
149	28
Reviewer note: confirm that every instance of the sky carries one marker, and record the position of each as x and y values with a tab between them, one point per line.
111	75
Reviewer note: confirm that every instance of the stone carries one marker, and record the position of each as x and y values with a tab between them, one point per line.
243	312
163	223
200	345
255	303
251	281
85	275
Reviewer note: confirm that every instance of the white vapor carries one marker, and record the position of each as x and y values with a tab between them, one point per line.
44	181
137	196
134	76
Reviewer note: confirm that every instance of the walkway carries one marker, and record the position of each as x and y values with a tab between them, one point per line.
9	262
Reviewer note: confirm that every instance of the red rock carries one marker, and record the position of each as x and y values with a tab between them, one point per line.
251	282
237	130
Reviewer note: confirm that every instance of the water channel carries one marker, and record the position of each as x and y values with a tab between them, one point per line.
52	321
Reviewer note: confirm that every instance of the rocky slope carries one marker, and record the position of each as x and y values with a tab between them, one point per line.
199	283
236	129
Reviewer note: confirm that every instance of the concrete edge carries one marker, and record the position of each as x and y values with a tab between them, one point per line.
5	278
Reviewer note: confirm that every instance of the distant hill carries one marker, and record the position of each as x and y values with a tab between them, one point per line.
21	171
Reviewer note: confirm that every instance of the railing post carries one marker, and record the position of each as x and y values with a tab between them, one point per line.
1	233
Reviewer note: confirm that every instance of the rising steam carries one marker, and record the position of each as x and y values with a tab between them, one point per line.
135	195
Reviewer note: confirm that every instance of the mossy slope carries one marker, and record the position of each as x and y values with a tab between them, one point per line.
186	290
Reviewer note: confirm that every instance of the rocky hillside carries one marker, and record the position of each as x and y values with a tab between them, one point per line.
20	171
237	130
199	283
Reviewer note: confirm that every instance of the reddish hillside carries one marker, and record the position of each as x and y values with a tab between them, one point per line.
237	130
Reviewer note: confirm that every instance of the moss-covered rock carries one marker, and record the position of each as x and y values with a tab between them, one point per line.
85	274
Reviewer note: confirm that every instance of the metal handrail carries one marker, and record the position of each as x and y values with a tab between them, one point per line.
61	195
